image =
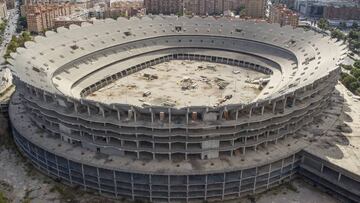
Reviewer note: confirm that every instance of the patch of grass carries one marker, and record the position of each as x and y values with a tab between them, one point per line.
66	193
3	198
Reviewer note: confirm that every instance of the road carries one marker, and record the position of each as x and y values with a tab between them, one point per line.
10	30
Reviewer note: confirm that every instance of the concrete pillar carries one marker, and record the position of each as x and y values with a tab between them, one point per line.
118	115
294	100
237	114
254	187
262	110
223	187
152	116
240	183
285	100
98	179
187	116
169	112
339	177
150	187
76	108
69	171
206	186
274	107
250	112
44	97
83	176
132	186
88	109
115	184
102	111
130	114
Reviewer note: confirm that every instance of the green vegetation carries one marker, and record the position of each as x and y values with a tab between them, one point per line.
353	38
352	80
17	42
22	24
323	24
3	198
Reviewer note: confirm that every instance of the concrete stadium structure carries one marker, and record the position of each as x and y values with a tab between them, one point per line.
165	152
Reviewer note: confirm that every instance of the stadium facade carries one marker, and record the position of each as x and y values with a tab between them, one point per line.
164	153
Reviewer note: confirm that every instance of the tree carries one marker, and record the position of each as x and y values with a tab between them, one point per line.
355	26
335	33
355	72
323	24
17	42
357	64
347	79
342	25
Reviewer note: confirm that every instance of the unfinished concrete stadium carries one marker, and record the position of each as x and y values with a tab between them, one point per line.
177	109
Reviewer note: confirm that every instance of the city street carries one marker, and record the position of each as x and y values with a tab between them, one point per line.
10	29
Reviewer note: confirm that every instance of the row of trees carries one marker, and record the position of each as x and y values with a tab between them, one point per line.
353	38
17	42
352	80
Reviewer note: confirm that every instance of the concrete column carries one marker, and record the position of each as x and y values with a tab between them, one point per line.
285	100
118	115
262	110
169	189
88	109
115	184
76	108
98	179
44	97
150	187
223	187
187	116
254	187
152	116
169	112
339	177
83	176
294	101
237	114
268	180
70	179
250	112
187	188
206	186
102	111
132	186
274	106
240	183
322	168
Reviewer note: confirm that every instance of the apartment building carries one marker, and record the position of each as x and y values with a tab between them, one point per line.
253	8
281	14
40	17
3	9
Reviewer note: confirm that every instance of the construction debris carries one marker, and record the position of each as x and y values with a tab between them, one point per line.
208	67
187	83
146	93
150	76
222	100
221	83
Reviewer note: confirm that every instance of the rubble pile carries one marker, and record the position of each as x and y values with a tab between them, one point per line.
187	83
